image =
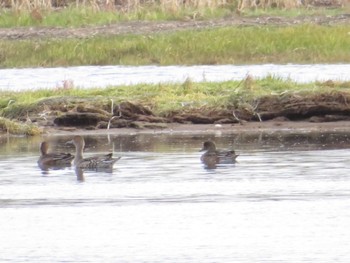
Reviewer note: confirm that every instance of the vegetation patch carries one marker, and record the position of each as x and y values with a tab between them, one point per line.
17	128
67	13
192	103
230	45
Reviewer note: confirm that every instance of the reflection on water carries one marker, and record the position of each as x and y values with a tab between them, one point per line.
285	200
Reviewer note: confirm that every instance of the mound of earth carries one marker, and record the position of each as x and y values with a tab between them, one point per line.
89	114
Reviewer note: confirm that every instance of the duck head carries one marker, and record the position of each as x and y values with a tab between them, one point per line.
208	146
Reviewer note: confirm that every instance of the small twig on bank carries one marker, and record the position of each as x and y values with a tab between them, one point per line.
254	110
112	106
114	117
257	114
235	116
110	120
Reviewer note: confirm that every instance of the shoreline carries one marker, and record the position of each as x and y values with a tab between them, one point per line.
207	129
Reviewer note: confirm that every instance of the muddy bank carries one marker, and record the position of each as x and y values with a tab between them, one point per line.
268	112
270	127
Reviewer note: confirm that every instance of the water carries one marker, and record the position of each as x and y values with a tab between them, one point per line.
286	200
103	76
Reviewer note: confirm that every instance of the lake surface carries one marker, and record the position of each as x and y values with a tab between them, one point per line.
103	76
287	199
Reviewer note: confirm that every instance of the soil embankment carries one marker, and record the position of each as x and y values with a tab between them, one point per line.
274	112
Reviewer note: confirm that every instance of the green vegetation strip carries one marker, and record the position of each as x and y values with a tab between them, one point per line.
165	98
297	44
72	16
18	108
82	16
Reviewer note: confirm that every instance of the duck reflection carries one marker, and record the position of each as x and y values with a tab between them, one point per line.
213	157
79	172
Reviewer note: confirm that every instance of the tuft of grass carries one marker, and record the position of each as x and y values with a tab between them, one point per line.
16	128
231	45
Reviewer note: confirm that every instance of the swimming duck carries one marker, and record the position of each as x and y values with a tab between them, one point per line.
212	156
47	160
94	162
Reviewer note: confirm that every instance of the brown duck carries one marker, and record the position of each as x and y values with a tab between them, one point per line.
47	159
212	156
94	162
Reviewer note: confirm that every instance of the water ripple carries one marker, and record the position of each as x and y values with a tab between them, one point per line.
276	204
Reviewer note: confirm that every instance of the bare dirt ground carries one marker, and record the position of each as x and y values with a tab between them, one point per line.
146	27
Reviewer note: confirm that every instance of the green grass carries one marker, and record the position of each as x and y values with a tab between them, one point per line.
17	128
248	45
83	16
163	99
72	16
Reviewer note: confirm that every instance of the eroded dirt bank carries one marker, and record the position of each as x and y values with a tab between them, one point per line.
268	112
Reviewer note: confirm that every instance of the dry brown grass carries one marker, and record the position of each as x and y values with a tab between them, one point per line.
36	6
113	4
27	4
166	5
281	4
288	4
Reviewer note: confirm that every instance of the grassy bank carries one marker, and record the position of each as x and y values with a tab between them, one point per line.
185	103
297	44
166	98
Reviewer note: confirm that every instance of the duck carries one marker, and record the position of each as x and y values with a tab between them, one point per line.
47	159
212	156
95	162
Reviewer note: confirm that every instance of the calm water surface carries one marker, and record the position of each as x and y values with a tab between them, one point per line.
102	76
286	200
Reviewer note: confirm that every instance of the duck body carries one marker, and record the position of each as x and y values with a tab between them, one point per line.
104	161
47	159
95	162
212	156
